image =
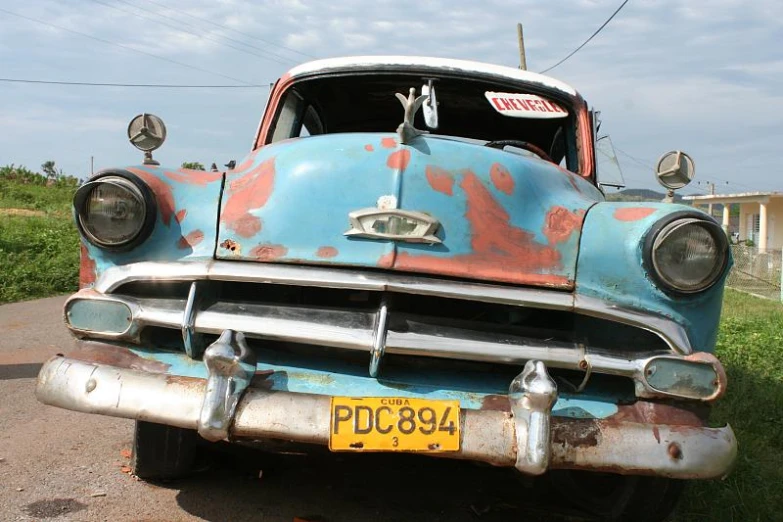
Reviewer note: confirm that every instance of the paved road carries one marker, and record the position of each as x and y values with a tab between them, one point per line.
60	465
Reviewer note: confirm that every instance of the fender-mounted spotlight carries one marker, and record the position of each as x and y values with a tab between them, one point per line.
147	132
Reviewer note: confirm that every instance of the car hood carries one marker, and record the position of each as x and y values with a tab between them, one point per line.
495	216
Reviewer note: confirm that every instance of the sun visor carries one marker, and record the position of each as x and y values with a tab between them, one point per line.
524	106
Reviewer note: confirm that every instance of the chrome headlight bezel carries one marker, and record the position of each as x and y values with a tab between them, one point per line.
662	229
136	189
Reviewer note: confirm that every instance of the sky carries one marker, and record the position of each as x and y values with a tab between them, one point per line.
703	77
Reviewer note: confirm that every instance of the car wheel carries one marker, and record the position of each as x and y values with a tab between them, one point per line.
619	497
162	452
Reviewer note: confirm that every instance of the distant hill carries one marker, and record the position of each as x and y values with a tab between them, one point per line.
640	195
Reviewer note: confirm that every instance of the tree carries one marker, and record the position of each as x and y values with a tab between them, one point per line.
50	170
193	165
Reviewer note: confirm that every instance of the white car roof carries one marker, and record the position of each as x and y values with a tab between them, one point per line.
349	63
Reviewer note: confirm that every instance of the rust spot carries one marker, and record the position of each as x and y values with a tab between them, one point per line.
440	180
501	252
230	245
721	382
247	192
388	143
560	223
326	252
104	353
193	177
369	148
496	403
399	159
163	193
632	213
247	225
501	178
576	433
87	273
262	379
675	451
657	434
190	240
693	414
268	252
180	215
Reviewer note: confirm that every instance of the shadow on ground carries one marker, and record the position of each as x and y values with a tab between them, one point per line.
324	487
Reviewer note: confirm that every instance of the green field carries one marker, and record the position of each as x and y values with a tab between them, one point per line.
39	245
39	257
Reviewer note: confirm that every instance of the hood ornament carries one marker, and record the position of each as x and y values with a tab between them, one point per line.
394	225
411	104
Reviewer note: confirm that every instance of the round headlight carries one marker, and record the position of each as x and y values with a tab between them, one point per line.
689	254
112	211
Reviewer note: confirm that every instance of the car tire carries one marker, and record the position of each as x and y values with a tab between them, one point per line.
162	452
619	497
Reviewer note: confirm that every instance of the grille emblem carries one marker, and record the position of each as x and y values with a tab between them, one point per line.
394	225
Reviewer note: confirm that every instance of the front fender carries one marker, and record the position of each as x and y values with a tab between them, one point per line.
610	268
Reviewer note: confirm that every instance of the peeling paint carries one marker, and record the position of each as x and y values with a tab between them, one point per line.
180	215
232	246
632	213
369	147
560	223
249	191
191	239
388	143
193	177
87	273
268	252
440	180
326	252
163	193
501	178
399	159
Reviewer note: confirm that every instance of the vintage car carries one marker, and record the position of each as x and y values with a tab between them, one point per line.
416	256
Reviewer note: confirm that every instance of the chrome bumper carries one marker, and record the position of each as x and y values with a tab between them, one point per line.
527	437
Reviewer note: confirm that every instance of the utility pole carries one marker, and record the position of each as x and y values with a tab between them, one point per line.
520	37
92	165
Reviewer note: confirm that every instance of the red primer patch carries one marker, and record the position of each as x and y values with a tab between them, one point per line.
560	223
268	252
399	159
190	240
388	143
501	252
501	178
326	252
247	225
180	215
162	191
632	213
87	269
440	180
247	192
369	148
193	177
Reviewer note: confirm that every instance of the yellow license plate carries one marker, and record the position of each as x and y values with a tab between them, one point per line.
394	424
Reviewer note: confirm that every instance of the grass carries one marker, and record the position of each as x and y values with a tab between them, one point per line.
39	253
750	345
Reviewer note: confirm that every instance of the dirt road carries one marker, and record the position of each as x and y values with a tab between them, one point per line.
65	466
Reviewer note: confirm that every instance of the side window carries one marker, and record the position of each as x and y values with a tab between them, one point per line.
287	124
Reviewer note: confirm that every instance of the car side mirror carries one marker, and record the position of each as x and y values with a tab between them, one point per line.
674	170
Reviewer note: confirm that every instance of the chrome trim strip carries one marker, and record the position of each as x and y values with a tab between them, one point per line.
670	332
189	320
379	339
487	435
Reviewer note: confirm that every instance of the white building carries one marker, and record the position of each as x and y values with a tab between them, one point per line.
760	215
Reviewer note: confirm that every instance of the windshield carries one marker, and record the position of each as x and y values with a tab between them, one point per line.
468	109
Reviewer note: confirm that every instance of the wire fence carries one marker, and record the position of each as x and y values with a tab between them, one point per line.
756	271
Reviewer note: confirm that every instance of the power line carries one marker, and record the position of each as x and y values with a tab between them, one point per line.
588	40
145	85
271	56
228	28
123	46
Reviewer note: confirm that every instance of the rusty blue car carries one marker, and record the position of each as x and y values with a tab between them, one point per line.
416	256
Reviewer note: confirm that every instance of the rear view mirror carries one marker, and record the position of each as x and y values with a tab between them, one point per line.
430	106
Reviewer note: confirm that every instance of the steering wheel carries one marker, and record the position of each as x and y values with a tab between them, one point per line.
538	151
